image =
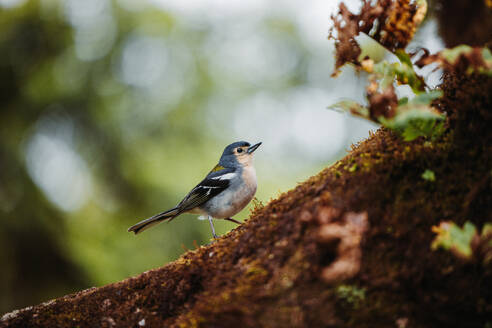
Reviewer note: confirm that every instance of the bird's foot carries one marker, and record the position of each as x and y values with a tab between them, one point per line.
213	240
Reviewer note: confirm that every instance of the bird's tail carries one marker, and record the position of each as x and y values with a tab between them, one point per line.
150	222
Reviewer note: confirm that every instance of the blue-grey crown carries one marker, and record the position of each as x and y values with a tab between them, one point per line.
229	150
228	159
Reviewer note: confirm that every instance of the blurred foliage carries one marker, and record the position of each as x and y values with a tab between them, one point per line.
112	110
411	118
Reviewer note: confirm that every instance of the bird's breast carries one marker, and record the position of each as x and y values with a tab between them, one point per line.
249	178
238	195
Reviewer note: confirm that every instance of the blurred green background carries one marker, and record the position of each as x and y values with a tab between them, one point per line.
111	111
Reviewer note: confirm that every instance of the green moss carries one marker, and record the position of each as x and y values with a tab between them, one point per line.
351	294
429	175
353	168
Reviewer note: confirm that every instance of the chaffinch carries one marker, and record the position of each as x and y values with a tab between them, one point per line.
225	191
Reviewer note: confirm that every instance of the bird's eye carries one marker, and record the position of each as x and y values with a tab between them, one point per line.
239	150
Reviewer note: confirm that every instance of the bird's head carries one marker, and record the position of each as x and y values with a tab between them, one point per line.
238	152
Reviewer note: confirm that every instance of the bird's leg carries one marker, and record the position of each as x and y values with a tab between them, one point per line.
232	220
212	226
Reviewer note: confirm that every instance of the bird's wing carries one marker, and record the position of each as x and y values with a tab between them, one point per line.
215	182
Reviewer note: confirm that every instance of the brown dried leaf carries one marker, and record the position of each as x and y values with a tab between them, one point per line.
400	26
347	49
381	103
391	23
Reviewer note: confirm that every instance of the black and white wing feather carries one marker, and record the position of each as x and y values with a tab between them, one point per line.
215	183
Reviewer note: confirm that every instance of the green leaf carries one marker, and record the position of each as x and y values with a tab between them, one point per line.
403	72
351	294
487	229
403	101
459	241
408	113
486	54
403	57
487	57
385	72
421	128
438	129
453	53
415	118
416	129
456	239
351	107
425	98
429	175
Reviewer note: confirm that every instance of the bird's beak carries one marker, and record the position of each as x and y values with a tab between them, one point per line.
251	149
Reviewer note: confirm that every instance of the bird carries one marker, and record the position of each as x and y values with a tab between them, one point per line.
225	191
